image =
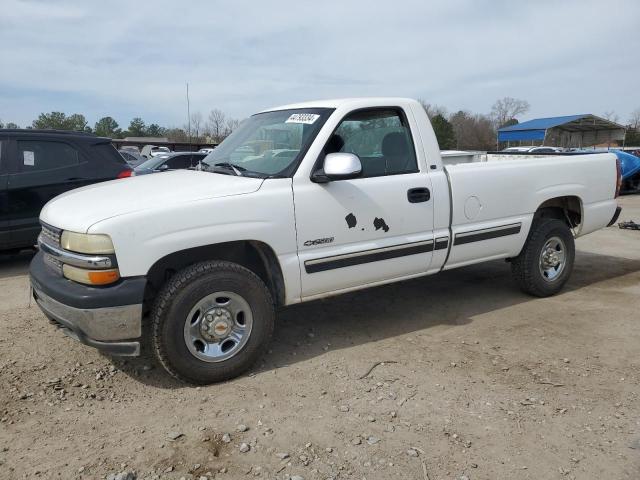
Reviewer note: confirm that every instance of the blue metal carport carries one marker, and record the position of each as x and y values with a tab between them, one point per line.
567	131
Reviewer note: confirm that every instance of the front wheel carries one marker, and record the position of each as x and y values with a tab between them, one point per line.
211	322
546	261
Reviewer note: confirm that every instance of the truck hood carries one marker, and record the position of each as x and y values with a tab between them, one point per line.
78	209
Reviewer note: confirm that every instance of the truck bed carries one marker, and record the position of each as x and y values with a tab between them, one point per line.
488	194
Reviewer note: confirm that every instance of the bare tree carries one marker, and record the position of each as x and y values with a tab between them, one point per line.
506	109
196	123
611	115
634	119
432	109
230	126
176	134
216	125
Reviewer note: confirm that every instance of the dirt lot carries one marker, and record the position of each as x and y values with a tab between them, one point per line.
487	383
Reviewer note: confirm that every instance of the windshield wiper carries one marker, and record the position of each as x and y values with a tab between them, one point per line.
236	169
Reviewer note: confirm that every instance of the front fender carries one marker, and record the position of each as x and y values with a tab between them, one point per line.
143	238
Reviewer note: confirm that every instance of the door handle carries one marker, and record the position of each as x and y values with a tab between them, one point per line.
417	195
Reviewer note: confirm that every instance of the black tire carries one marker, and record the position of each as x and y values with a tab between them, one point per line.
526	266
177	298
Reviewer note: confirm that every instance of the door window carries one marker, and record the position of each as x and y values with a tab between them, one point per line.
196	158
380	138
37	155
178	162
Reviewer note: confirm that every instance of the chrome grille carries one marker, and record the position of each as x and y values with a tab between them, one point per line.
53	263
51	235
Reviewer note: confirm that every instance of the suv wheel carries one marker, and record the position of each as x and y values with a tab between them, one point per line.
211	322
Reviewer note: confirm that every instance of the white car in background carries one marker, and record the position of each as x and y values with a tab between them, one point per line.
531	149
150	151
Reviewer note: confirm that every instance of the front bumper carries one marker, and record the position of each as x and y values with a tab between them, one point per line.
107	318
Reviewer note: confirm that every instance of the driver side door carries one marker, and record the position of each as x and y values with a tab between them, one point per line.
369	229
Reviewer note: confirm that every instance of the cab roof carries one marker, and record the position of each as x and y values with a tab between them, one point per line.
355	102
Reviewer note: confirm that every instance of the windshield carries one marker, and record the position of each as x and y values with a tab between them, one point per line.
152	162
267	144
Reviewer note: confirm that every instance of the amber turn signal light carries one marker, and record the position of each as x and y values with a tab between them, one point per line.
91	277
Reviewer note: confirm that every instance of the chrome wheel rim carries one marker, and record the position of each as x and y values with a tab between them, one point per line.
553	259
218	326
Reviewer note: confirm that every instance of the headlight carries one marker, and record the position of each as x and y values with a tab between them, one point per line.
86	243
90	277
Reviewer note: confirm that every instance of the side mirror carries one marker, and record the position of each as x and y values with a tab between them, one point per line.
163	167
338	166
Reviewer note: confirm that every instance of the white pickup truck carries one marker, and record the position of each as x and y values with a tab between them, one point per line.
299	203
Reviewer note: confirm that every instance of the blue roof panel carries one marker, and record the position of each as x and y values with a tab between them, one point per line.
542	123
513	136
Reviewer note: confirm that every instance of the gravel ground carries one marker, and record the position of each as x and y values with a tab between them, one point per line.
478	381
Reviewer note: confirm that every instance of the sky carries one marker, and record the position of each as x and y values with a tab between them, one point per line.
126	59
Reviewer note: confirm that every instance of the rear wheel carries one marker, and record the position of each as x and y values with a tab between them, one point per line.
211	322
546	261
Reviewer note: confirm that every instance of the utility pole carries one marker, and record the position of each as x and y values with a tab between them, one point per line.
188	117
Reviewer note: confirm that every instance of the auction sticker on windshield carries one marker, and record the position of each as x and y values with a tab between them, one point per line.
307	118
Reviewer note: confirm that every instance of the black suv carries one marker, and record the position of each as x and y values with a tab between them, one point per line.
37	165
